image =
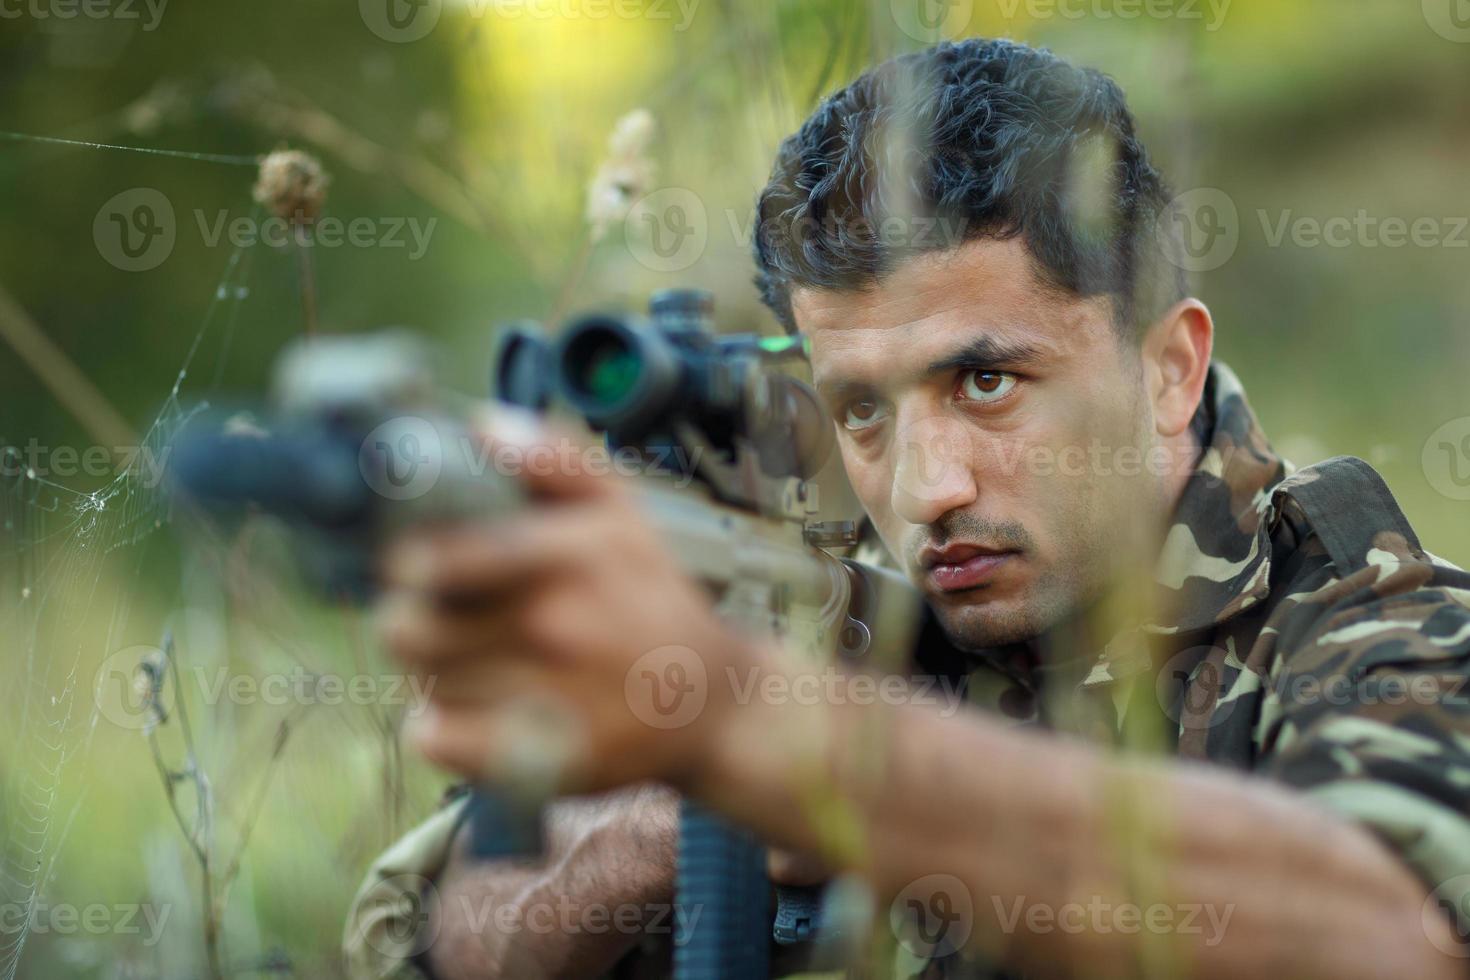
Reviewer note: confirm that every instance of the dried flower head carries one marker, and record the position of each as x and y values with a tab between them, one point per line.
632	134
624	176
293	185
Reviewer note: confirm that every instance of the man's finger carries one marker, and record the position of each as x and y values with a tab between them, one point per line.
477	559
795	868
549	463
522	737
421	634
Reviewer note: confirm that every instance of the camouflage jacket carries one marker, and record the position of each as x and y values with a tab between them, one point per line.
1303	634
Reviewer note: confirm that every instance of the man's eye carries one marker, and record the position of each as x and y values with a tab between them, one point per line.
986	386
863	413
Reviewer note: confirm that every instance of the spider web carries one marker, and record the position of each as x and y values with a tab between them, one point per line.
56	545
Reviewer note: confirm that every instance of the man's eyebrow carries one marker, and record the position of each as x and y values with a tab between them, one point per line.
839	389
982	353
988	352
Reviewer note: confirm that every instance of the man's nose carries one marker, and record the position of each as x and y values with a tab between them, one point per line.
933	473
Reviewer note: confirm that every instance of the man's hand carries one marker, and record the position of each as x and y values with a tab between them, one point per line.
530	628
602	898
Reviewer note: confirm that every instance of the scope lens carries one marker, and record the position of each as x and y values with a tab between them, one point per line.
610	373
604	366
618	372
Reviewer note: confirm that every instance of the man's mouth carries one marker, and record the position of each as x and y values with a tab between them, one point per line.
957	567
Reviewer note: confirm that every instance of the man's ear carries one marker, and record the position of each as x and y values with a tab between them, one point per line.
1176	362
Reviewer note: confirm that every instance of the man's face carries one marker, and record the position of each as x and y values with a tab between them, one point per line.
989	426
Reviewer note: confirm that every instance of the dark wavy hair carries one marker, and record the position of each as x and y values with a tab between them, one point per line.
974	139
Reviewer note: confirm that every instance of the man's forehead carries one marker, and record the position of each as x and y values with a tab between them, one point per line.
924	286
937	301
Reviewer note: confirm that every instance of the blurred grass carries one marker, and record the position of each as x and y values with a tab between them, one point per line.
1311	106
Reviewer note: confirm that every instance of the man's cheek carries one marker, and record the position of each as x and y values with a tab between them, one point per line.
1010	471
872	484
871	480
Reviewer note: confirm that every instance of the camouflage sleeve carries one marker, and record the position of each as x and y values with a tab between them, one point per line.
1368	713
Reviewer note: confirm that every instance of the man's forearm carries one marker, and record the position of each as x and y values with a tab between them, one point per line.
609	868
1075	862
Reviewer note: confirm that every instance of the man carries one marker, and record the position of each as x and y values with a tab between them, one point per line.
1030	416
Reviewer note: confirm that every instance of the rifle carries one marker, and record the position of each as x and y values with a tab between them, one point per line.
362	445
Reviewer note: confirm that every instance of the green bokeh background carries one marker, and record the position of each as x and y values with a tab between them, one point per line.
492	124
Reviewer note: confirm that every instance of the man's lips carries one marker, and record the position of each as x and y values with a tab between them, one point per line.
961	566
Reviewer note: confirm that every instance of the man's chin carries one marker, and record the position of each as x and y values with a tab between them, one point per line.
974	621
